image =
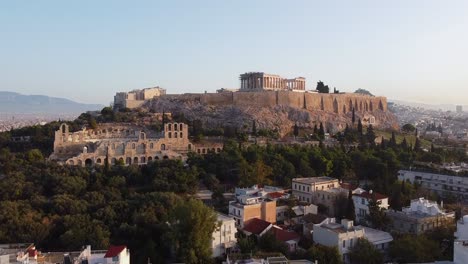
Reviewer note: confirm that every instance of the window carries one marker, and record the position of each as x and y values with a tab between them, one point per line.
344	243
170	135
308	189
351	242
363	201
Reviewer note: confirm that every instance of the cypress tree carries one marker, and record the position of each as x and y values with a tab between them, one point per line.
350	210
359	127
321	131
417	145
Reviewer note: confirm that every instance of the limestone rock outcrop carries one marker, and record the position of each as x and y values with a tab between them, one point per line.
277	110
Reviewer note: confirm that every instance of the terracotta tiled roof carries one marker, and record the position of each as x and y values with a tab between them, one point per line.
283	235
114	251
367	195
275	195
256	226
348	186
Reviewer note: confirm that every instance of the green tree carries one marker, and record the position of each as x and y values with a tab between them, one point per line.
324	254
417	145
321	132
408	128
359	127
365	252
322	88
192	228
377	217
350	213
370	135
414	249
296	130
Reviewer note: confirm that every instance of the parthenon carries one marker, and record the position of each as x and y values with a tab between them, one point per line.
257	81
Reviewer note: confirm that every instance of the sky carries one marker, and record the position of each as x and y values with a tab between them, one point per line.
89	50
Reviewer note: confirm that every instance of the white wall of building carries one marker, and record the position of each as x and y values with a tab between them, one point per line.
224	235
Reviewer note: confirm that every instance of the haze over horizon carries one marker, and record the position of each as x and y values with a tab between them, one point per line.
86	51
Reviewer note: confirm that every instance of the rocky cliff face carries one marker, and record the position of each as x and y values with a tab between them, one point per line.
280	117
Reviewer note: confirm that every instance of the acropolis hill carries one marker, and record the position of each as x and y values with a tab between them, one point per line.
272	101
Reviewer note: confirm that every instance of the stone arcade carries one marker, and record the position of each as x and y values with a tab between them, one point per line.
125	144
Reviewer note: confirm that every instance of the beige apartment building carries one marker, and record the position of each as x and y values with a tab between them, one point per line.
245	208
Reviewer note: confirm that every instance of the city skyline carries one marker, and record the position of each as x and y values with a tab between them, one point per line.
87	51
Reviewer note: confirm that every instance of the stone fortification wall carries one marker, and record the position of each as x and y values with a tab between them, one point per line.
334	103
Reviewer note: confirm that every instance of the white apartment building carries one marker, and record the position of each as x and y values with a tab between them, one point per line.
440	183
460	245
361	200
422	215
224	236
345	236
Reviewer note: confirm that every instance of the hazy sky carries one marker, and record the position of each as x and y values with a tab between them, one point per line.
88	50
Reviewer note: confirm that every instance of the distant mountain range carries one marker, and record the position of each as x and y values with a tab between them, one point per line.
11	102
443	107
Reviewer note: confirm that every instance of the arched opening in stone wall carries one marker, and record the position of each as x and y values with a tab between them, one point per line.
150	159
170	135
180	127
169	127
176	127
71	162
128	161
180	135
189	146
98	161
151	145
80	163
135	160
175	134
335	106
366	106
113	161
322	106
156	158
371	106
143	160
163	146
165	157
121	161
88	162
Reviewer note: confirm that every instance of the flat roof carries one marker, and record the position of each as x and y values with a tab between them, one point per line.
310	180
376	236
223	217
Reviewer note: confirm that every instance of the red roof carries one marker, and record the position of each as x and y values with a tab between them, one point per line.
348	186
283	235
275	195
32	252
256	226
367	195
114	251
